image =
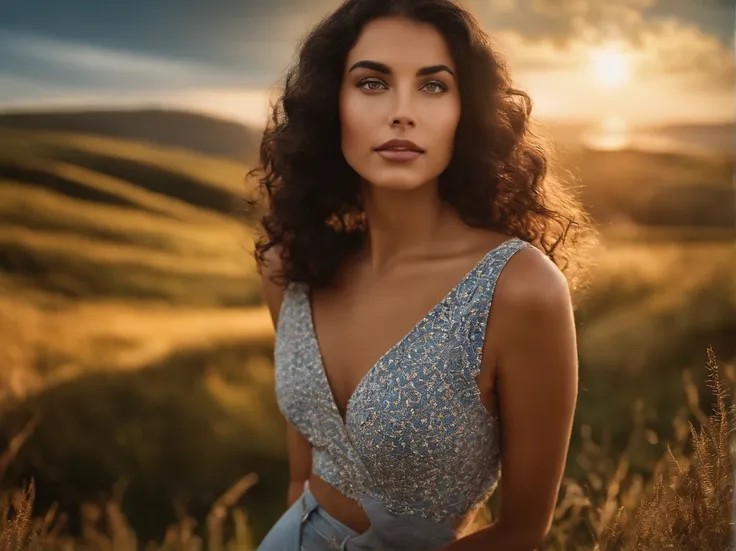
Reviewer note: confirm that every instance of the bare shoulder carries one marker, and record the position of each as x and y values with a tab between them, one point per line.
531	280
273	291
531	304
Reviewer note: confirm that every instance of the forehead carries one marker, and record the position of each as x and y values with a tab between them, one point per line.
399	42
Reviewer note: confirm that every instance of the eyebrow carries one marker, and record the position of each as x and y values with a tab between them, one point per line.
383	68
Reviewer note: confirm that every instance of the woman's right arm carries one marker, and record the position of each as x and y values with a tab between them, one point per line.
298	448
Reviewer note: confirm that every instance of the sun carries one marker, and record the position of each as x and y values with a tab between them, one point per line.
610	66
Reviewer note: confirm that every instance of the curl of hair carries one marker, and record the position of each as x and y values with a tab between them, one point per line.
498	177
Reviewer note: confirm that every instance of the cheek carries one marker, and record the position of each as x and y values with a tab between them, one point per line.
354	123
444	127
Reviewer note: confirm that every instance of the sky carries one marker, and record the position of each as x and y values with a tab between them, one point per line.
610	61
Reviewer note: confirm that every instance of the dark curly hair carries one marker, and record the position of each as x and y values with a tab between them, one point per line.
497	178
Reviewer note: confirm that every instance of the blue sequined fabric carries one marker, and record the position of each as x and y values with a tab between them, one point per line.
416	438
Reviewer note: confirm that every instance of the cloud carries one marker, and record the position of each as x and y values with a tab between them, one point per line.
563	20
573	7
543	54
675	48
505	5
556	35
41	72
560	20
65	62
222	58
166	40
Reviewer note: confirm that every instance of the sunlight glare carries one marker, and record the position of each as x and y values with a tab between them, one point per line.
610	66
611	134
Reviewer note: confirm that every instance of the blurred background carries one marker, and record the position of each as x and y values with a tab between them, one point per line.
135	350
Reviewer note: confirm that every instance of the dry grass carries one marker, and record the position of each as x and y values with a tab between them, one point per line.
217	172
41	210
71	339
687	507
125	191
106	528
687	504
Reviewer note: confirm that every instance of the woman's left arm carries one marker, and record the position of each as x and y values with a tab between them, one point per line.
531	338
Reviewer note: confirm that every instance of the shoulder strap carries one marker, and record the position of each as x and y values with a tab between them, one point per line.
294	293
479	304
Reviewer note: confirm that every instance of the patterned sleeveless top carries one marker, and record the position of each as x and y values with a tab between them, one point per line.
416	436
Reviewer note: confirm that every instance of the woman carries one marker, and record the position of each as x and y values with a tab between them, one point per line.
405	193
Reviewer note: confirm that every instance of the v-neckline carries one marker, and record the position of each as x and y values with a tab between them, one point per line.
318	351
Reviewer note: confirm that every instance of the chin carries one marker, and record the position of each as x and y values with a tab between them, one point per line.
398	180
397	184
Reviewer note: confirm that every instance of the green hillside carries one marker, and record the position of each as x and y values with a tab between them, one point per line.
132	324
173	128
131	321
102	217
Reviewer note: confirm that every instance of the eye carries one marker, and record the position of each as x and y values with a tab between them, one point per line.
435	87
370	85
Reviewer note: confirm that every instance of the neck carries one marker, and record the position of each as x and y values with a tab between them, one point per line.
403	223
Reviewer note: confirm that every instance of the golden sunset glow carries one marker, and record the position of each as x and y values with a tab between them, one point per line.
610	66
611	134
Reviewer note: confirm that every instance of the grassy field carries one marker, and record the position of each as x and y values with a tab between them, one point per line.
135	342
77	226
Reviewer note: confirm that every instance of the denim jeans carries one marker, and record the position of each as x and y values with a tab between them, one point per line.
306	526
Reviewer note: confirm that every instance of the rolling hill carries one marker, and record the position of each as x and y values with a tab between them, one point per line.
88	215
177	129
131	316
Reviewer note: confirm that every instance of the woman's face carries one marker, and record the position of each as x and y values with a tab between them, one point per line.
399	83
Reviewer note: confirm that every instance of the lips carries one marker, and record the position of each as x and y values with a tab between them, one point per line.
399	151
400	145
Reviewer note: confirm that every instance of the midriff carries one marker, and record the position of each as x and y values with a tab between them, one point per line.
340	507
348	511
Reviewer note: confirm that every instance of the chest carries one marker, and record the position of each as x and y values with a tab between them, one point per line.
419	397
355	330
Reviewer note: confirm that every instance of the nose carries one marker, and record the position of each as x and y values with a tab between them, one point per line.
402	121
402	115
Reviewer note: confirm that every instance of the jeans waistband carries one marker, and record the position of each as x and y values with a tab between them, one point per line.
310	505
387	532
